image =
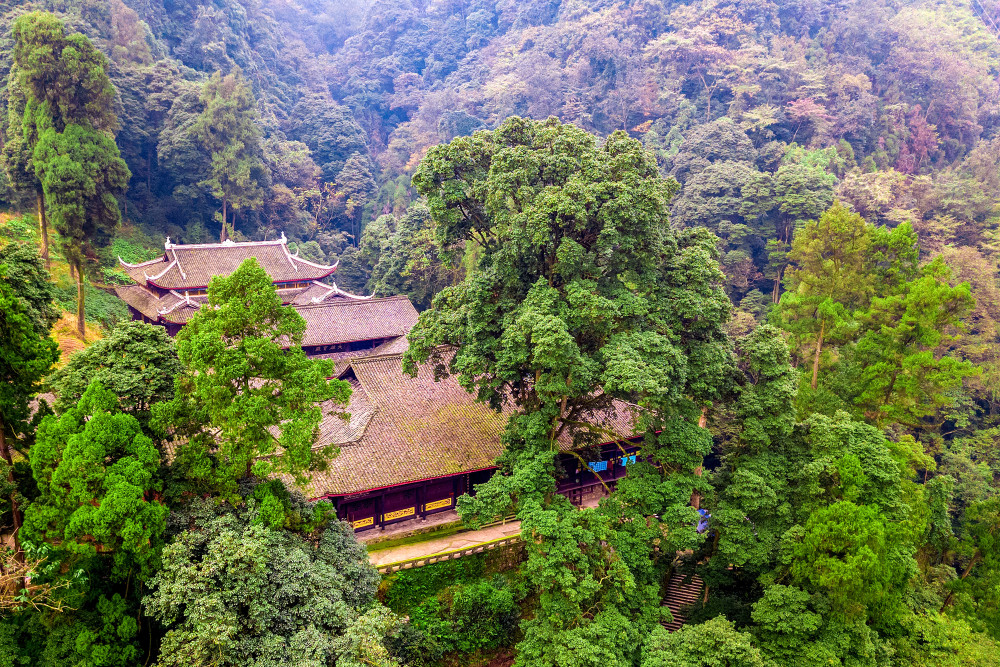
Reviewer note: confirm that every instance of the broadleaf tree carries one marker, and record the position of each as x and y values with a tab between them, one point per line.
582	294
137	362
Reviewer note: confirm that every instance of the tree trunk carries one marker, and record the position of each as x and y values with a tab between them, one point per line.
968	569
222	234
15	508
695	496
819	349
43	224
777	283
80	302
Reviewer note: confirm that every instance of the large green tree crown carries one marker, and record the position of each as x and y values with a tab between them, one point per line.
26	353
136	361
82	174
96	473
228	129
65	76
581	284
248	392
26	274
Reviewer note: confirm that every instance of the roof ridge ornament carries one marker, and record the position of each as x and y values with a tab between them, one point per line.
288	255
351	296
167	244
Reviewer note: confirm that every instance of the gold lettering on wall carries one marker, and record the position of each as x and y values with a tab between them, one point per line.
437	504
399	514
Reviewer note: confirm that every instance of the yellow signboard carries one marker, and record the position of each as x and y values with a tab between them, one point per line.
438	504
399	514
362	523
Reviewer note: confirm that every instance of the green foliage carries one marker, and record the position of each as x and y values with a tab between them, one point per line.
858	558
228	131
28	352
763	111
136	362
81	174
247	388
581	293
67	124
905	378
467	618
715	643
102	632
233	591
96	476
62	74
406	259
406	589
26	355
30	281
100	306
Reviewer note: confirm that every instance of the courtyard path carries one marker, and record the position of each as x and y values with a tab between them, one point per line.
438	545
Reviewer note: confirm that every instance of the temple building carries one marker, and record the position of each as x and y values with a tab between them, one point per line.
171	288
412	445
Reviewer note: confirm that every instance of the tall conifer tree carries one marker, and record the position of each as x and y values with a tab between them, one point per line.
228	130
26	354
68	121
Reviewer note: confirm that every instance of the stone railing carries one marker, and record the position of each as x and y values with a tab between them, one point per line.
449	555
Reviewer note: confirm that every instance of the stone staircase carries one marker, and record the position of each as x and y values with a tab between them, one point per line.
680	595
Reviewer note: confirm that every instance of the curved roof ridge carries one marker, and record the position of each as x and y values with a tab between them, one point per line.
140	264
160	274
183	301
318	301
288	255
331	267
351	296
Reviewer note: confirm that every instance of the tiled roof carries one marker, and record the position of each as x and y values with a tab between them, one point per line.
393	346
343	320
415	429
170	307
338	319
192	266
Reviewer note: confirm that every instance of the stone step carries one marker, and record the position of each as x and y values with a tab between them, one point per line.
680	594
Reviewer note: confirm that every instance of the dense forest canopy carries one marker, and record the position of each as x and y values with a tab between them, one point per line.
771	227
764	111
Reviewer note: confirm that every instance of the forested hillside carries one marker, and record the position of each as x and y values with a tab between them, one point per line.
771	228
764	111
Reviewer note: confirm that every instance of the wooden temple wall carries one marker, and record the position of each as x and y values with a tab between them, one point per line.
383	507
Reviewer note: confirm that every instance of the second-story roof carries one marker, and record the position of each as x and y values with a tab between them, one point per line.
404	429
346	320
